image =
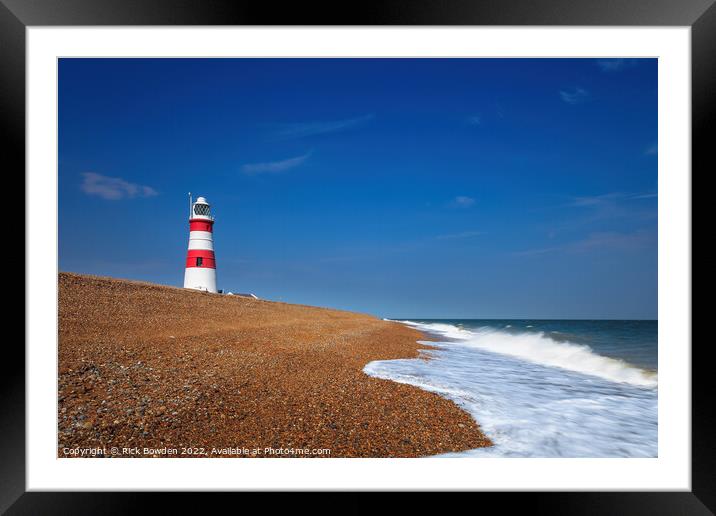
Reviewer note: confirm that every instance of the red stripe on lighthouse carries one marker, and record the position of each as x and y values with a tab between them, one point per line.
200	225
207	259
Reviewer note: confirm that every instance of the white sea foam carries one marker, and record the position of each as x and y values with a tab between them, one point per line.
539	348
560	401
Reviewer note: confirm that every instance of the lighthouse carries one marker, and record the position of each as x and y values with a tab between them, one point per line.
200	273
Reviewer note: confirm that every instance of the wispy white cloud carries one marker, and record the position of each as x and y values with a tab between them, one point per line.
303	129
608	240
457	236
462	201
613	239
274	167
615	205
609	199
576	96
652	149
113	188
474	120
596	200
645	195
615	65
596	211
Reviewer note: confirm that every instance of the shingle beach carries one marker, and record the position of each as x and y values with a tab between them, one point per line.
154	371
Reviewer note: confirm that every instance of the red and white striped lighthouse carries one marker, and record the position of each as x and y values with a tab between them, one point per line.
200	270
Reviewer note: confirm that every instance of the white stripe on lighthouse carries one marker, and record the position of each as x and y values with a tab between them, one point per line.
201	240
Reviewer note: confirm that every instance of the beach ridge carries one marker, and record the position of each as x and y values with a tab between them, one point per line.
146	369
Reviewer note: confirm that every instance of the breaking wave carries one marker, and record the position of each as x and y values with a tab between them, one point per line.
538	348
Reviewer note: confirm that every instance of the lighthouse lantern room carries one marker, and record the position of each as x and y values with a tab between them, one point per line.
200	273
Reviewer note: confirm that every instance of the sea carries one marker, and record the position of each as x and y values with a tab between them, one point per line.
543	388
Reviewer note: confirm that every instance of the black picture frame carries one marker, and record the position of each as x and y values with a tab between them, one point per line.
17	15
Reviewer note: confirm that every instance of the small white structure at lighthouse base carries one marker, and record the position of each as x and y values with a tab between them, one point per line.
200	272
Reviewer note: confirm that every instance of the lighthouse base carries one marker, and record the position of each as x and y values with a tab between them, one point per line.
200	278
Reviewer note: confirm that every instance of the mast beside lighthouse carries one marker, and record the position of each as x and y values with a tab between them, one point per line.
200	272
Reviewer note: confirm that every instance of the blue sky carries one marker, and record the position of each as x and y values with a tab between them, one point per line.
486	188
